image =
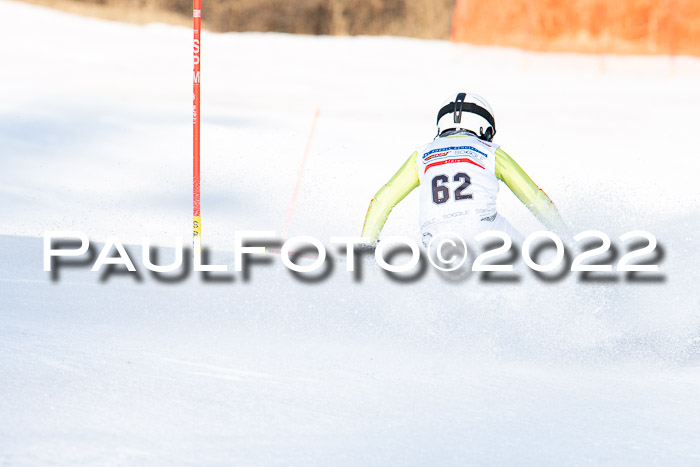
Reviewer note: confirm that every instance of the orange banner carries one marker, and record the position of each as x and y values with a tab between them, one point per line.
598	26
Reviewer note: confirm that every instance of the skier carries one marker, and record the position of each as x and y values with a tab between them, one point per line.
458	173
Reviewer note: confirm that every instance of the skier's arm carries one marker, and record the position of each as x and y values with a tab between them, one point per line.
536	200
396	189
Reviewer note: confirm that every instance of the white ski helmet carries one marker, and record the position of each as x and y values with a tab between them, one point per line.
469	112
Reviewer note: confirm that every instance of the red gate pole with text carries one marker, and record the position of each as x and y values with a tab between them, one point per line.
196	117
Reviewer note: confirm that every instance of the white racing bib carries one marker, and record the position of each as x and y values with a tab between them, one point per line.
458	185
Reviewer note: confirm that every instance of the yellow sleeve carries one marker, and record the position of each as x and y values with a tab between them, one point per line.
396	189
536	200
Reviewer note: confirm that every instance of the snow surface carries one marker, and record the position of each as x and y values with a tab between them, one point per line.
95	131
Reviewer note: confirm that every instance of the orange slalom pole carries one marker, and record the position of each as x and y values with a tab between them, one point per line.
196	117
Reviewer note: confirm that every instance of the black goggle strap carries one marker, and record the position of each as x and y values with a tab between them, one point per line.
461	106
459	102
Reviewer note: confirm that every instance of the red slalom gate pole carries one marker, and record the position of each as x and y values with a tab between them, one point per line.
196	117
300	175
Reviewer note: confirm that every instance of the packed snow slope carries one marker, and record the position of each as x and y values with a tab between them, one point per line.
95	131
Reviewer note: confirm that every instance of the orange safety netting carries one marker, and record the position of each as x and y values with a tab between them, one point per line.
598	26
